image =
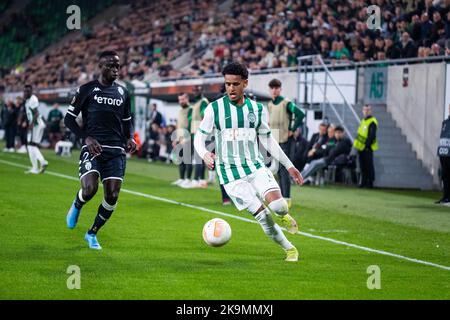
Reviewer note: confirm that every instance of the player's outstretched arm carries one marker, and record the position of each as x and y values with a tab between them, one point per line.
272	146
205	128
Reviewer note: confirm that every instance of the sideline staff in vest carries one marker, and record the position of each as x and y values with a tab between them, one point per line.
366	144
284	118
444	158
198	108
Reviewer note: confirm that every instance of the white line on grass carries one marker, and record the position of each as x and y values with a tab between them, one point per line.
306	234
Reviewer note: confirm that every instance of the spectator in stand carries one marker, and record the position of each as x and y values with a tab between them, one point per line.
317	140
447	26
436	50
54	123
437	29
379	45
408	48
307	47
342	52
425	29
336	155
300	150
414	28
392	51
368	47
325	148
324	48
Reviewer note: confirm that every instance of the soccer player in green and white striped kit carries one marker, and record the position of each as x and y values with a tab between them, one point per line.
237	123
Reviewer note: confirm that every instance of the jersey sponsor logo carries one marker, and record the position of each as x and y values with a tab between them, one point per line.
444	142
443	151
239	134
108	101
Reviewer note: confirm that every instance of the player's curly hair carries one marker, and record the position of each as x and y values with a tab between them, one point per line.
236	68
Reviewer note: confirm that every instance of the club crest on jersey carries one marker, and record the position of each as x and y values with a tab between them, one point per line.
96	89
108	101
88	165
120	90
251	117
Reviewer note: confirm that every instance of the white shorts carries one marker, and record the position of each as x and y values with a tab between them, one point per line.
35	135
250	191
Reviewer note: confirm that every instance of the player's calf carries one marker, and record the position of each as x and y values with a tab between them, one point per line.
75	210
81	198
271	229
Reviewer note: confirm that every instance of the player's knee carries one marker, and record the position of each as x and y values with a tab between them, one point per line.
89	191
112	196
255	207
279	206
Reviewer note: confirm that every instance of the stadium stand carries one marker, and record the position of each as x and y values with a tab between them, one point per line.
30	31
147	38
272	34
263	34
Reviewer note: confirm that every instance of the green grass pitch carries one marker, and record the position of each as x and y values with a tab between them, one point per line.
153	249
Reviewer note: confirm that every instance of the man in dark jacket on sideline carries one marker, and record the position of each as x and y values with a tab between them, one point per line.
341	149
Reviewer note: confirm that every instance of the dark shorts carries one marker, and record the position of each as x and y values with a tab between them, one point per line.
110	164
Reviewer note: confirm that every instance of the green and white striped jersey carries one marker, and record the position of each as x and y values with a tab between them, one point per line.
236	129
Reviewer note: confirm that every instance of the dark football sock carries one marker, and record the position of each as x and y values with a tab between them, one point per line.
105	211
79	201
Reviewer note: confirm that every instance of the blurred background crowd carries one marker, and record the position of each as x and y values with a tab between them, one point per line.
185	38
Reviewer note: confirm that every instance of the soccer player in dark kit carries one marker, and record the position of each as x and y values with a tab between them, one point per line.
107	134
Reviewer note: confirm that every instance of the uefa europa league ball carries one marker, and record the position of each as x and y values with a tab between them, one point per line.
216	232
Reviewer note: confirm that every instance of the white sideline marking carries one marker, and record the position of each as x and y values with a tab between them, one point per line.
246	219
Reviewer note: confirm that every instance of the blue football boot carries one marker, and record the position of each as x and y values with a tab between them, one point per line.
72	216
92	241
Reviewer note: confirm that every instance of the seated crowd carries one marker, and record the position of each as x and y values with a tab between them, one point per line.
150	36
262	34
328	149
